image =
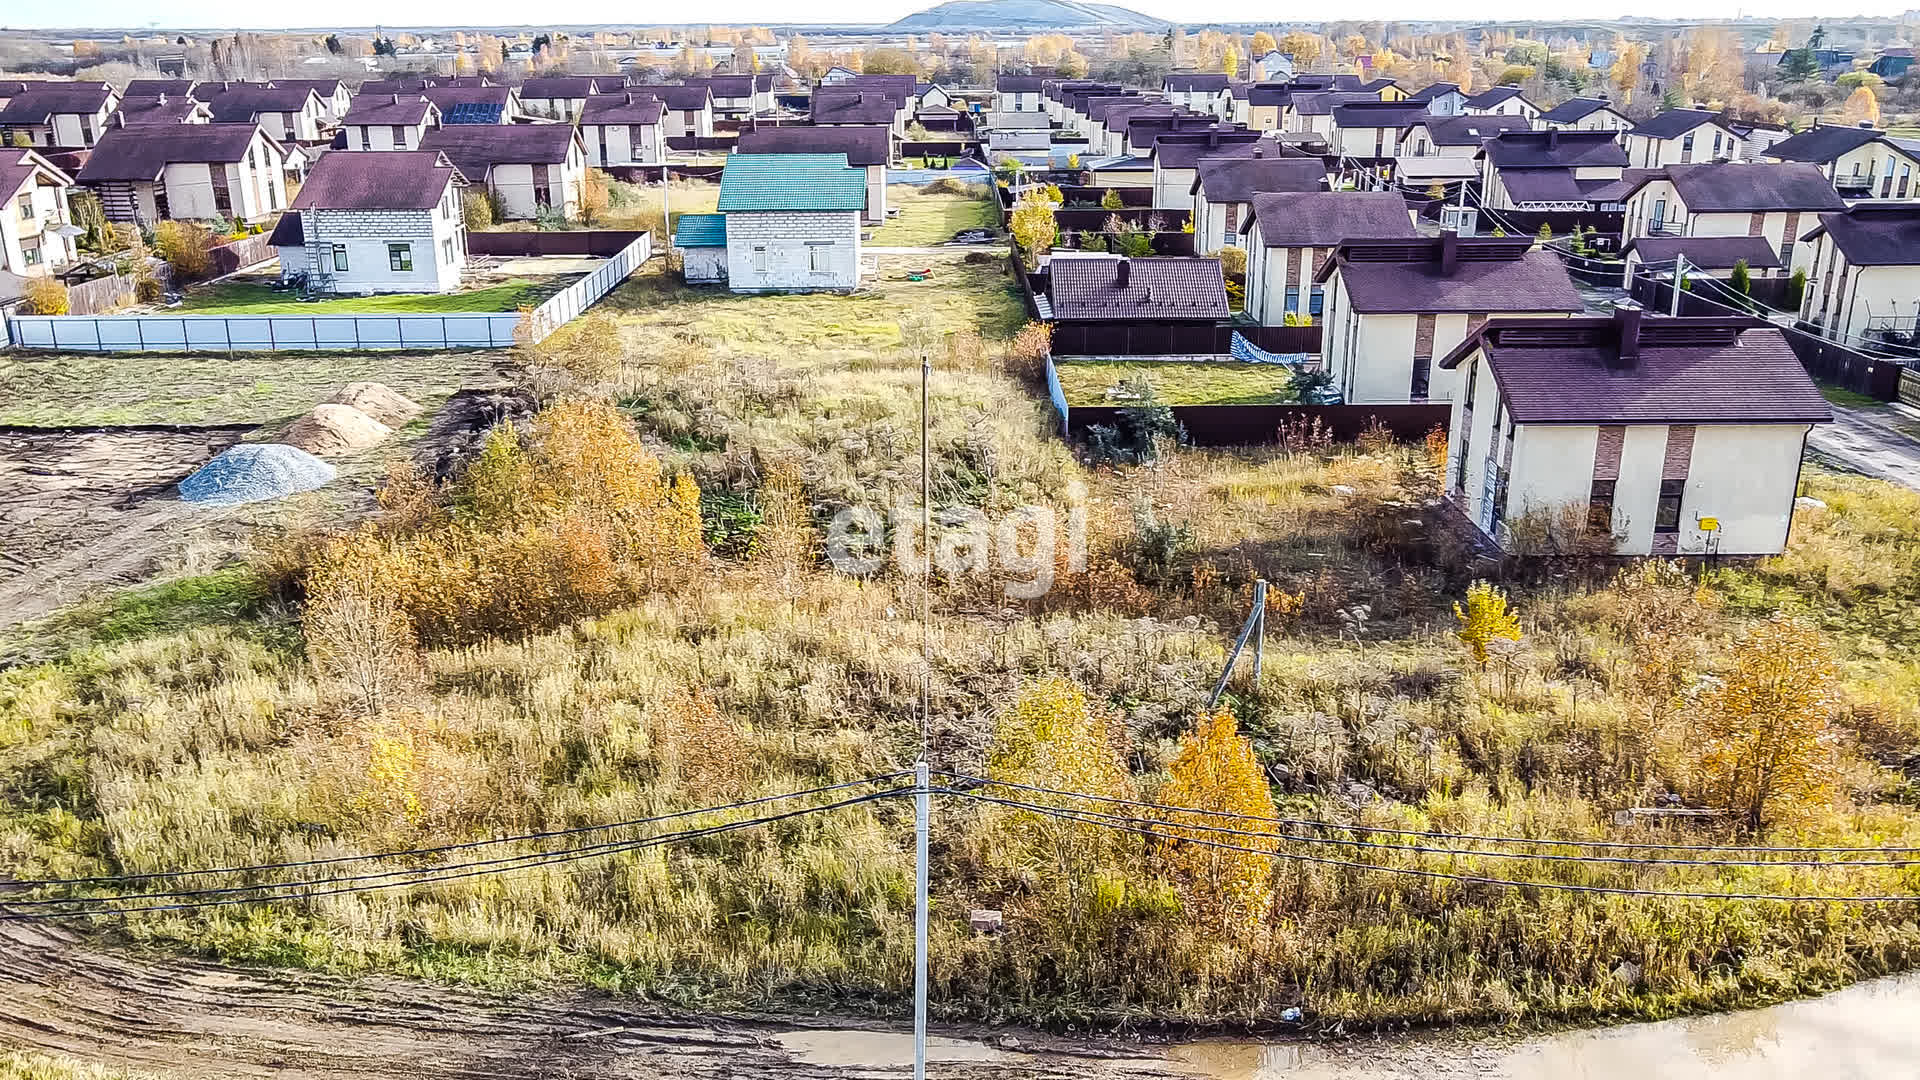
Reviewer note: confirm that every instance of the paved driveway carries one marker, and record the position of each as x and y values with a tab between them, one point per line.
1882	441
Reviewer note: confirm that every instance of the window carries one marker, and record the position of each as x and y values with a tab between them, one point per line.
30	255
1315	301
1686	147
1666	519
762	263
1600	507
446	250
26	207
400	258
340	257
819	258
399	135
1293	299
1716	144
1659	214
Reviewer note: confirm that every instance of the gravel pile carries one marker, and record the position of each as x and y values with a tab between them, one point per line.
252	472
378	401
335	429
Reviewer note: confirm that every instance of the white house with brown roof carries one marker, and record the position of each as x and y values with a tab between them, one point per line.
623	129
1645	435
187	172
290	114
526	168
1394	307
1290	235
1224	188
1501	101
69	115
688	109
1681	137
1586	114
33	214
1863	268
178	109
1777	201
1016	93
376	222
396	121
561	97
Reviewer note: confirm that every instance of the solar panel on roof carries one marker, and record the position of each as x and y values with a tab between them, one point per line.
473	112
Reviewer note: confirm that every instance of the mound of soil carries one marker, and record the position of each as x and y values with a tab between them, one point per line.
251	472
335	429
377	401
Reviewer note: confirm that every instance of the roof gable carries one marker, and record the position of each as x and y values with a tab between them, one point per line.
1676	122
862	145
1734	186
1488	275
142	152
1325	218
804	182
377	180
1874	233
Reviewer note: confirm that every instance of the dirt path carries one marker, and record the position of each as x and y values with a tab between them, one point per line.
1877	441
60	993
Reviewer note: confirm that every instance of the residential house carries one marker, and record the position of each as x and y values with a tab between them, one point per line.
1224	187
733	95
1393	307
1455	136
1669	436
400	84
1863	277
334	96
1893	63
701	240
1706	256
1831	62
865	147
1176	161
836	75
688	109
855	106
153	173
1441	99
1501	101
1862	162
1312	111
396	121
623	129
525	168
1731	199
561	97
934	96
68	116
154	88
792	222
474	104
1757	138
1682	137
376	222
35	224
1193	90
1165	291
1550	170
1370	130
1273	64
160	110
1016	93
1586	114
291	115
1265	106
1290	235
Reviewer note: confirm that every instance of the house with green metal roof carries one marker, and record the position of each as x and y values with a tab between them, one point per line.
701	240
792	222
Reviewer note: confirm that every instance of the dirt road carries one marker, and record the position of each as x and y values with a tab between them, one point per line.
61	993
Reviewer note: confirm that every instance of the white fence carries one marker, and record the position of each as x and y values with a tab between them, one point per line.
256	333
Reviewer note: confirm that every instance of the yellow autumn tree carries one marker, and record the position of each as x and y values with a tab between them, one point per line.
1262	44
1227	891
1302	46
1861	107
1033	226
1230	61
1485	619
1767	747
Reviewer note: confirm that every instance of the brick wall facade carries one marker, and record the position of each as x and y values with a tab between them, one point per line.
787	262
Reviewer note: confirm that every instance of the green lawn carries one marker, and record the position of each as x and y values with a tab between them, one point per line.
252	298
1178	382
1840	395
926	219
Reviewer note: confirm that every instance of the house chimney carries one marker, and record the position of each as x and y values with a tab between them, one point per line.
1122	271
1626	316
396	99
1449	251
1553	138
1213	138
1259	151
1868	124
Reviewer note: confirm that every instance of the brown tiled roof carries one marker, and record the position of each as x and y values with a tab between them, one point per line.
1239	179
476	148
1325	218
1708	252
565	86
1874	233
1156	289
1017	84
863	145
629	107
1676	122
171	110
326	88
1179	149
833	106
1469	130
152	88
18	165
407	108
725	86
1489	275
676	96
445	98
42	100
1734	186
1554	149
242	103
141	152
1688	371
376	180
399	84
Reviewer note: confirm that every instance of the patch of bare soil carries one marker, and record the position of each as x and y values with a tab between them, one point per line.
77	506
190	1018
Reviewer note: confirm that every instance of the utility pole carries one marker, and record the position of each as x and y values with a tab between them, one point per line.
1679	278
921	799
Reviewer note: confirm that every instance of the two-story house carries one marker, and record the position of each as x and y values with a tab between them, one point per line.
1863	270
867	148
1550	170
1681	137
474	104
733	95
1224	187
1290	235
1441	99
66	115
623	129
376	222
1862	162
1016	93
1501	101
1369	131
189	172
1586	114
1455	136
1642	434
1394	307
1198	91
396	121
688	110
792	222
1731	199
561	97
335	97
286	115
1176	161
33	214
526	168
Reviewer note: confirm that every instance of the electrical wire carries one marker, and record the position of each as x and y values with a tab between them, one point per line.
433	875
29	883
1841	340
1426	849
1474	879
1469	837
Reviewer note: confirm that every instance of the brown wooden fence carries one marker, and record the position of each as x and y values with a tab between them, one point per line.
601	243
936	148
1254	425
240	254
1835	363
1177	339
1079	197
103	294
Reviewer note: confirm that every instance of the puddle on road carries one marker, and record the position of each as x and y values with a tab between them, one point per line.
881	1049
1866	1031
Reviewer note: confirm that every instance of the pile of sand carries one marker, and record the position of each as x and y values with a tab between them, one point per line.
335	429
379	402
251	472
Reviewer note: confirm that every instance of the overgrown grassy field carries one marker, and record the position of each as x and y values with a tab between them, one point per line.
927	218
192	730
19	1065
248	298
1175	382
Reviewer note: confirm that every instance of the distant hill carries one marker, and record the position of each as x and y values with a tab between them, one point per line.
1025	15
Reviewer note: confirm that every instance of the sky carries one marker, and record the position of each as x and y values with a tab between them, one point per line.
231	14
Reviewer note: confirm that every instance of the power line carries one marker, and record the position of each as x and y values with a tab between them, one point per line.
1474	879
1471	837
432	875
1841	340
407	852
